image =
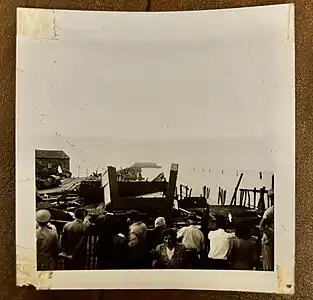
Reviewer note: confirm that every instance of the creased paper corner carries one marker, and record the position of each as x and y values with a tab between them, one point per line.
44	280
26	272
25	267
36	23
285	280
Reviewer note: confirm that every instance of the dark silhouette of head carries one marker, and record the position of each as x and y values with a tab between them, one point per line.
243	231
192	219
80	214
170	237
220	222
134	216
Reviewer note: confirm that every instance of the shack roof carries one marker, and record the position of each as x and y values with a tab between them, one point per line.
56	154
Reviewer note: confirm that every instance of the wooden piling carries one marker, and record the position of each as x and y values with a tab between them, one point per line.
170	194
241	197
254	198
187	189
234	198
219	196
204	191
181	191
249	200
114	194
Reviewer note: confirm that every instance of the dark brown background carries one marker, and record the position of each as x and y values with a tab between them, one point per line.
304	140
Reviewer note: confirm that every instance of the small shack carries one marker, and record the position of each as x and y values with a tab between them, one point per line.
48	161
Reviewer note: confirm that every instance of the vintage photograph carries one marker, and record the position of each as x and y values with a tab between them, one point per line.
140	217
154	145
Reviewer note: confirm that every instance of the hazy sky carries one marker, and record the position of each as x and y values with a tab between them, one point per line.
189	91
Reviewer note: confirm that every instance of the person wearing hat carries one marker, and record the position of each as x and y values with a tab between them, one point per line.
193	240
48	247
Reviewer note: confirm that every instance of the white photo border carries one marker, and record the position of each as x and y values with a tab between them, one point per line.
279	281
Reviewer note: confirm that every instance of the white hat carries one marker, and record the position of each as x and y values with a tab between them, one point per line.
43	216
160	221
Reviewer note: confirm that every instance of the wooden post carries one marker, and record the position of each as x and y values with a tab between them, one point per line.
114	194
224	197
261	204
204	192
218	195
241	197
181	191
170	194
254	198
273	196
249	200
221	196
234	198
208	196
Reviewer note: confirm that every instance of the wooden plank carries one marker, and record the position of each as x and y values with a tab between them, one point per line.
113	184
234	198
181	191
170	194
254	198
241	197
249	199
252	190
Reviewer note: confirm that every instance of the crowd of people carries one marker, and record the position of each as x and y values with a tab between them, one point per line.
127	243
